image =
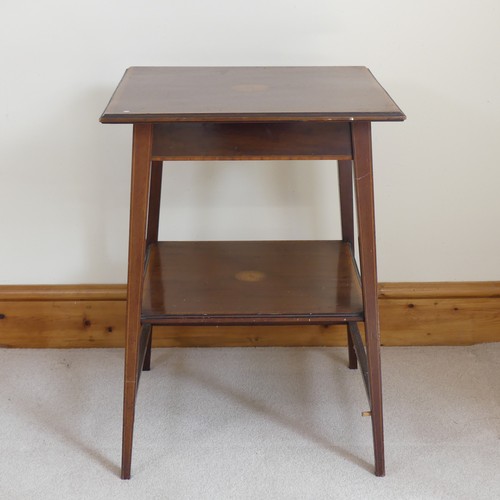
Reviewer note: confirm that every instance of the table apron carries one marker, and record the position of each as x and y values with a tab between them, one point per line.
300	140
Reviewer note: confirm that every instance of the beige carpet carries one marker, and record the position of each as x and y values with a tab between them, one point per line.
267	423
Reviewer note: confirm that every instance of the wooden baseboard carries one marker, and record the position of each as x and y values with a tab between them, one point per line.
94	316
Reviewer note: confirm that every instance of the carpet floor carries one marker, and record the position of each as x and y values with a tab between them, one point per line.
250	423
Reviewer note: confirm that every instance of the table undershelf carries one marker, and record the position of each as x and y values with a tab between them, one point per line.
251	282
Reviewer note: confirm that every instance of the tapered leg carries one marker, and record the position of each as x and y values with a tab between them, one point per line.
154	202
141	161
353	360
146	366
363	173
152	231
347	219
346	201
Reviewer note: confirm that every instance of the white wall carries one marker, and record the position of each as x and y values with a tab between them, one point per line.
65	178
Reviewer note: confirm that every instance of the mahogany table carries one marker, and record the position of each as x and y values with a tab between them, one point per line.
252	113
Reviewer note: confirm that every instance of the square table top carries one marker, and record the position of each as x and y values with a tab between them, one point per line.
228	94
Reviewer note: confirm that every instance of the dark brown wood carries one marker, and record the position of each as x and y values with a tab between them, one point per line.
252	141
141	162
363	174
247	282
160	94
144	344
355	337
353	360
152	232
154	202
347	221
146	365
252	113
346	202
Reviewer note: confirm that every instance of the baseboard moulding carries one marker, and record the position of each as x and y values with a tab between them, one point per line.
82	316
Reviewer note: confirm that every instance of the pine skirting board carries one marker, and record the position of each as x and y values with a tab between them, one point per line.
94	316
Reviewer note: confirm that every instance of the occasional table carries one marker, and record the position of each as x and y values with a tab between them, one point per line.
252	113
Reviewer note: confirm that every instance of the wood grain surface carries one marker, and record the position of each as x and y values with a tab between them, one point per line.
165	94
94	316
